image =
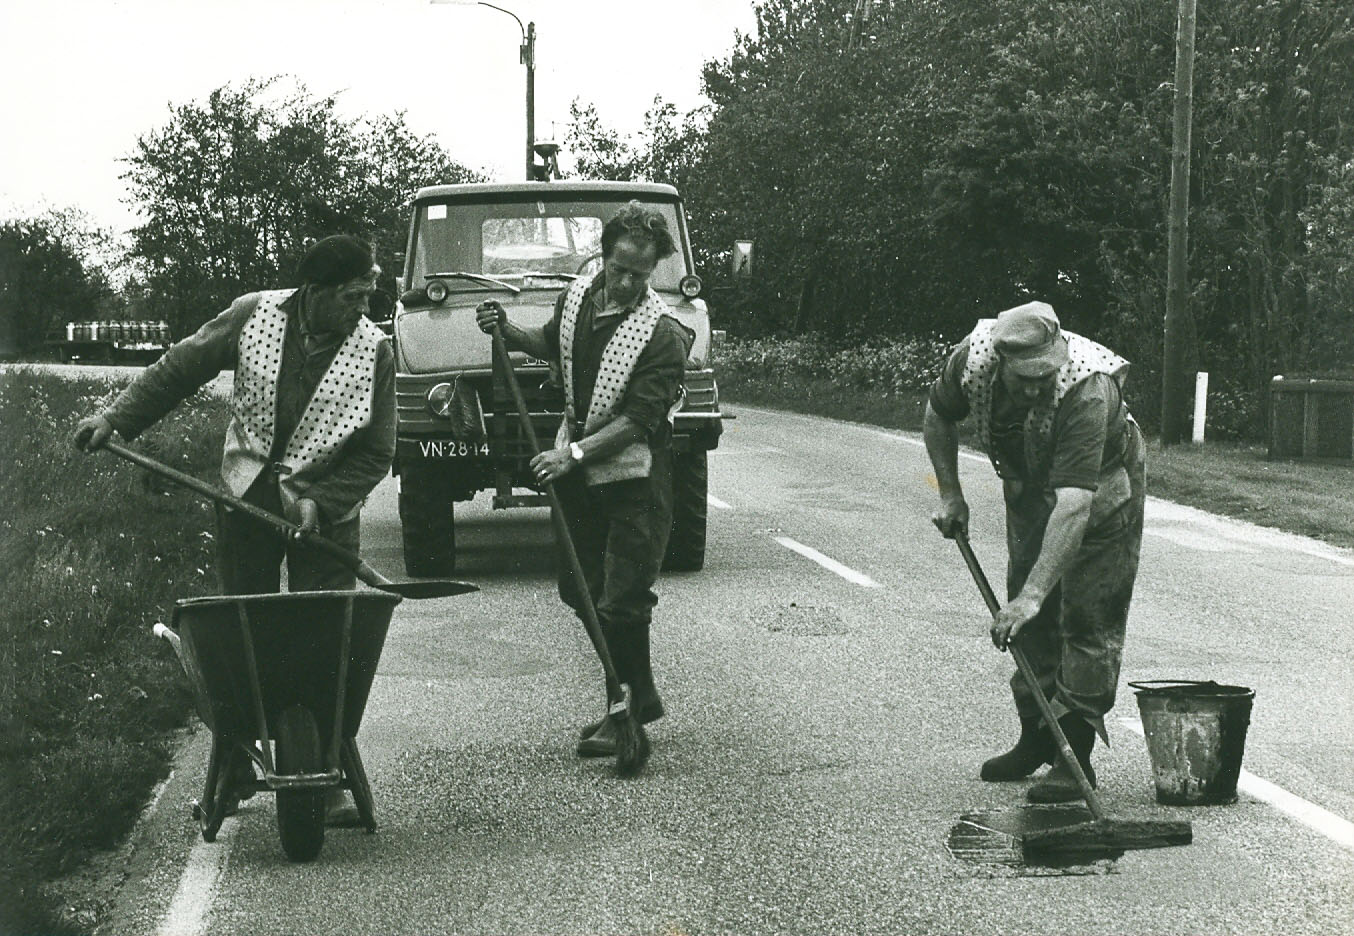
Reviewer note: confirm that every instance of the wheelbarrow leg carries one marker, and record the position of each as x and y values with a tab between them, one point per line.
211	812
357	782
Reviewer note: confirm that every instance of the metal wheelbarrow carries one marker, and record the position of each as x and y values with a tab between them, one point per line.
282	681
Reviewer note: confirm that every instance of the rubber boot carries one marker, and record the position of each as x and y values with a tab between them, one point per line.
1034	749
637	672
1059	785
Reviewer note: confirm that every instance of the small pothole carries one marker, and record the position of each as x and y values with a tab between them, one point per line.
799	620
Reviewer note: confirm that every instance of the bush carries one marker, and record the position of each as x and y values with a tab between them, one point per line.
882	367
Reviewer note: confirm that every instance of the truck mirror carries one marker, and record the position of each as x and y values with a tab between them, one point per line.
742	259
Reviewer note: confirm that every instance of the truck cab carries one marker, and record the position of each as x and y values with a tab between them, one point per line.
458	432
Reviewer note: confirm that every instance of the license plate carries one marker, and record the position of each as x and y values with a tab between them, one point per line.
452	448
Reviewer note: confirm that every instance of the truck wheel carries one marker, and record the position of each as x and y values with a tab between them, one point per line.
686	542
300	813
427	523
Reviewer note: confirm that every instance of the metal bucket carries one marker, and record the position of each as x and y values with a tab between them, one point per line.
1196	735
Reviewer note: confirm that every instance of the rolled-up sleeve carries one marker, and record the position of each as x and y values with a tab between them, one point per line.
654	383
181	370
947	393
366	456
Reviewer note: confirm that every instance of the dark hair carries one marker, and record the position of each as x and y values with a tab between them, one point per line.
336	260
645	226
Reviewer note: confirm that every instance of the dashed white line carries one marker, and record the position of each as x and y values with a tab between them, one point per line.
827	562
1338	830
716	502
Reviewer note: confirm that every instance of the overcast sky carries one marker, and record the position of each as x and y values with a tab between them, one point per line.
81	79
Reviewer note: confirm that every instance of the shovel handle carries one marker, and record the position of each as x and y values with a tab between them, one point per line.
1023	664
590	623
350	559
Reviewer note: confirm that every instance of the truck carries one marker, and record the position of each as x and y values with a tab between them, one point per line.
458	430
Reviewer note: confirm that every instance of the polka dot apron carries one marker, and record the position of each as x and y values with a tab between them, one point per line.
613	375
341	405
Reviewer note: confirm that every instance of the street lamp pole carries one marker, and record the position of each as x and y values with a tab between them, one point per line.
527	55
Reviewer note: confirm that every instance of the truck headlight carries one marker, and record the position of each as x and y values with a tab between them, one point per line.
436	290
439	400
690	285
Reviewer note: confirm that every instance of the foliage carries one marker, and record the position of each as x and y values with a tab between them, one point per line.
45	280
904	169
234	188
91	555
883	367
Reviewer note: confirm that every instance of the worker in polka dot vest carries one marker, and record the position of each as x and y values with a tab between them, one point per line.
1049	410
312	427
622	357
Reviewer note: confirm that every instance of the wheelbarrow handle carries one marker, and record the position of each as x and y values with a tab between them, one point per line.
350	559
1023	664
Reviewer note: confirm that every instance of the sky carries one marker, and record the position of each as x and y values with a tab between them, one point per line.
80	80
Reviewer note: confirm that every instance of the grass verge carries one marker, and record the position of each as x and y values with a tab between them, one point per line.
1233	479
92	554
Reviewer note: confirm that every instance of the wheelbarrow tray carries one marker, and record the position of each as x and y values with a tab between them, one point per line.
297	668
296	640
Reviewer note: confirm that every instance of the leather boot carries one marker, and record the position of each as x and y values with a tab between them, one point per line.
1059	785
637	672
1034	749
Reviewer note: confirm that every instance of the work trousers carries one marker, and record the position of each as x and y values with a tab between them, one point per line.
620	531
249	552
1075	644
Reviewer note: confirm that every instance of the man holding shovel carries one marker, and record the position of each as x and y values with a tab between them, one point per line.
1050	413
312	427
622	357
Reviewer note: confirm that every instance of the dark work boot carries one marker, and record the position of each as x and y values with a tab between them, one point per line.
1034	749
1059	785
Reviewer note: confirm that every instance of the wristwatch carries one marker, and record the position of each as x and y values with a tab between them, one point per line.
576	452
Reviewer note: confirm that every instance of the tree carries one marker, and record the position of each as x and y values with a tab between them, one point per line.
234	188
43	284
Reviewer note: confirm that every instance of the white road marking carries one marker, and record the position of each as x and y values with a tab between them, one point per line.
1238	533
1338	830
187	913
716	502
827	562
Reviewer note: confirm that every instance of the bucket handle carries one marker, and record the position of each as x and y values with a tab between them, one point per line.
1150	685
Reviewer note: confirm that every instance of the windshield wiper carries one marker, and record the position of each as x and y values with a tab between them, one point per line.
564	276
474	278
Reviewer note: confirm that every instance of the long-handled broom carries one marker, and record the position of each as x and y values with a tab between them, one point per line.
632	743
1101	836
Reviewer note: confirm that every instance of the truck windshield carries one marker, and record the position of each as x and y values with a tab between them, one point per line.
534	244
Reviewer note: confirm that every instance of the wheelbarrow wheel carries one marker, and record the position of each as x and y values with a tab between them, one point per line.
300	813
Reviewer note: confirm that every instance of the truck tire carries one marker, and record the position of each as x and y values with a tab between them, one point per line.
686	542
427	521
300	813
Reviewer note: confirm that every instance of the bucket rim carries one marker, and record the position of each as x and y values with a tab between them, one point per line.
1194	687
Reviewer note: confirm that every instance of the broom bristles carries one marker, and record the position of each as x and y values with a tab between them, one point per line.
632	745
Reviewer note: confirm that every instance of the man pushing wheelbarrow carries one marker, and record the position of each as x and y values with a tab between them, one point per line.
312	427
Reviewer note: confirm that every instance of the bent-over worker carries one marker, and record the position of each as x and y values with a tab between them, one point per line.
1050	414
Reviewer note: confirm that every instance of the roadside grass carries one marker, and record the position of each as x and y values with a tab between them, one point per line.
92	554
1233	479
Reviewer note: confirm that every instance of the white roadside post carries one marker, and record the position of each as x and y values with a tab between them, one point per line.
1200	404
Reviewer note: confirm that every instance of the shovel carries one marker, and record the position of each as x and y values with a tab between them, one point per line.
1102	835
426	589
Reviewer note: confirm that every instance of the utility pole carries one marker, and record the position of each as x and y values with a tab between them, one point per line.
529	60
1179	331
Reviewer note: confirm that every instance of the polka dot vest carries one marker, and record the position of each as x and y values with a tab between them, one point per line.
1085	357
341	405
613	375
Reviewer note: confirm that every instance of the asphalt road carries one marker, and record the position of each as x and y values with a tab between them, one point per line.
823	737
